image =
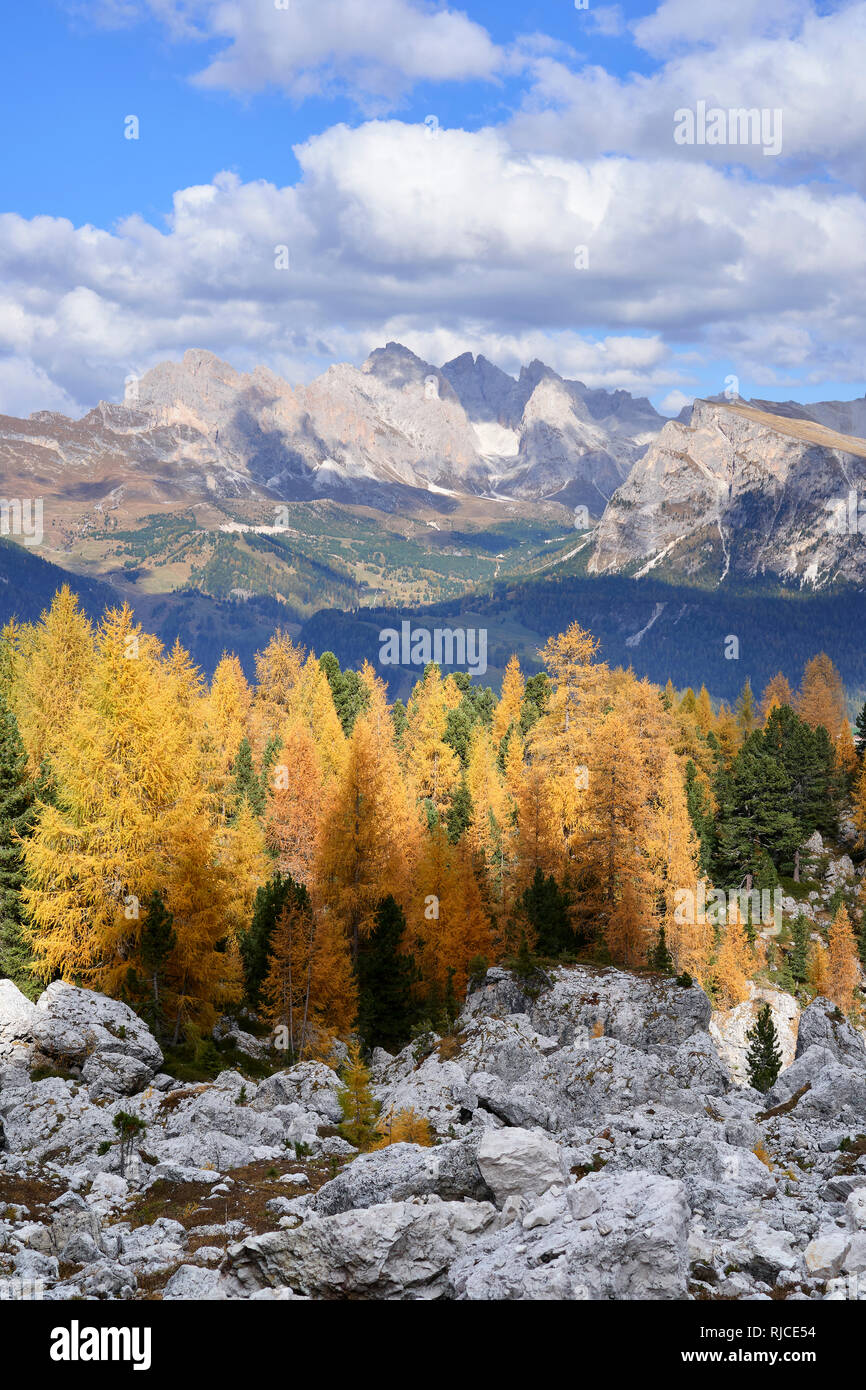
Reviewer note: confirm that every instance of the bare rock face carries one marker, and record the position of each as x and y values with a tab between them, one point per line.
608	1237
823	1025
72	1025
17	1015
395	1250
737	491
641	1011
729	1030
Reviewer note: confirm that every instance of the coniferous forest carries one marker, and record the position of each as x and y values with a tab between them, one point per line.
302	851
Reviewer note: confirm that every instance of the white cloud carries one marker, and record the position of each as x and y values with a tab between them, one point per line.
674	402
449	243
737	54
374	50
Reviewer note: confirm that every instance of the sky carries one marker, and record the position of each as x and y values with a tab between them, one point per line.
296	182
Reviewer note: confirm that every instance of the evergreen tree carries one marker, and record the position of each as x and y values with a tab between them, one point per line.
798	961
279	892
158	940
536	697
700	814
247	786
763	1059
19	807
860	738
547	909
747	717
459	812
386	1009
661	957
754	813
351	696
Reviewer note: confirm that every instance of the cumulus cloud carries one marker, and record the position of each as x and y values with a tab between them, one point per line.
740	55
449	242
375	52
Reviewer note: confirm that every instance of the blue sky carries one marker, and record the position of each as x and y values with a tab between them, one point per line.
432	172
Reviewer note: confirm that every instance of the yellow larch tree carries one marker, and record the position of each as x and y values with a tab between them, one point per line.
51	661
735	963
366	833
447	920
818	972
432	766
225	717
777	692
487	825
821	699
311	706
843	965
612	869
704	711
309	988
510	704
674	851
294	804
130	817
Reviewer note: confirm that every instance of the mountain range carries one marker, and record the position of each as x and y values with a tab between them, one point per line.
400	484
376	434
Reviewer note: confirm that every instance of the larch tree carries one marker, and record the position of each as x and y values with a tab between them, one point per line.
130	818
294	803
614	875
704	716
676	865
486	831
510	704
226	716
312	707
821	700
818	973
843	966
432	766
51	661
777	692
735	964
366	832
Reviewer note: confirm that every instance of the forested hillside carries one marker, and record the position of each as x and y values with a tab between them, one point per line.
303	847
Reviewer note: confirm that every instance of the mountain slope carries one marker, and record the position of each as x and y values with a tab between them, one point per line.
735	493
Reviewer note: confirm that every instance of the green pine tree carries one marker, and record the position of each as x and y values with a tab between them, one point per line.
547	908
763	1059
386	1008
798	960
860	735
158	940
661	958
279	892
247	785
459	812
20	796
